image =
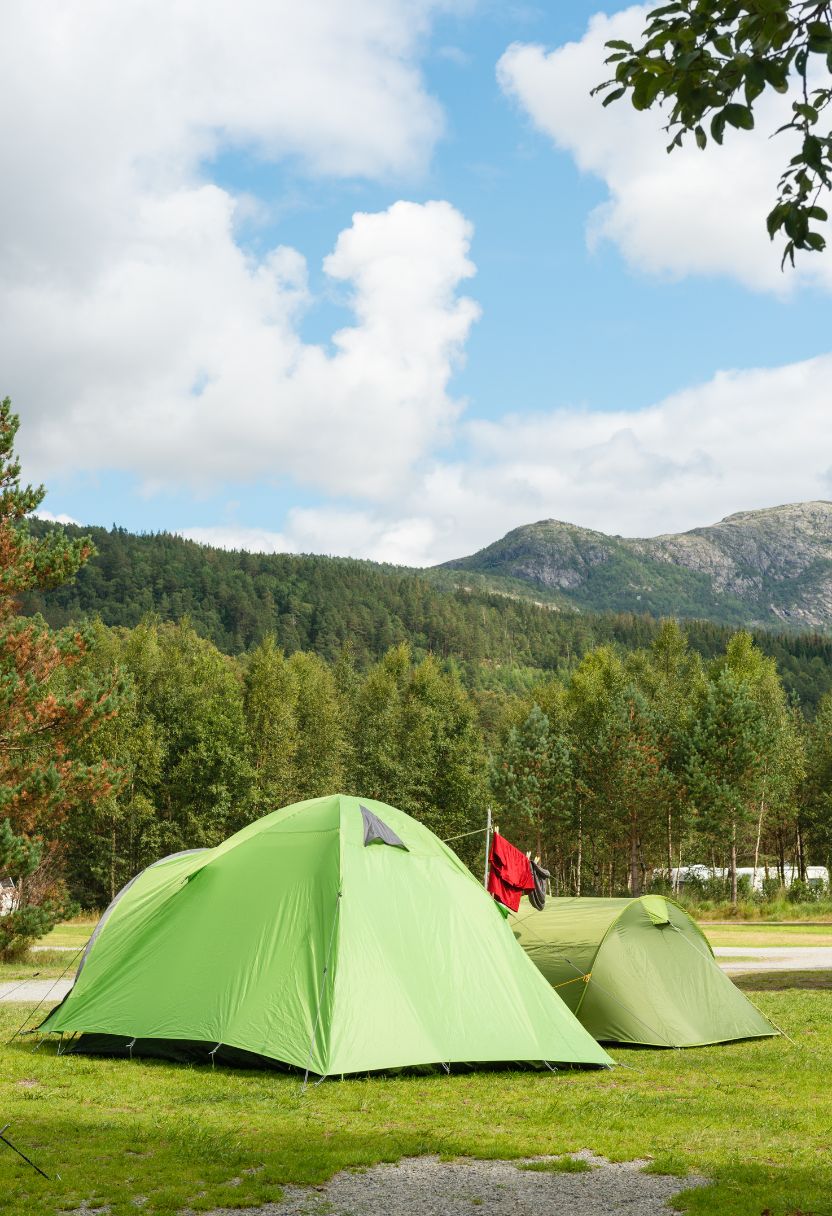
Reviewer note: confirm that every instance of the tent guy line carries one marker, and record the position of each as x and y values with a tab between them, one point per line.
45	996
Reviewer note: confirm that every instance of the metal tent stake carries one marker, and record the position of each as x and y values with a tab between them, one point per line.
14	1147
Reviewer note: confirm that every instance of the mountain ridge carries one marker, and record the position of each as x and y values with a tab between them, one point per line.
765	567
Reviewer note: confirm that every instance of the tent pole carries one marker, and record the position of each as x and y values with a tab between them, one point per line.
487	848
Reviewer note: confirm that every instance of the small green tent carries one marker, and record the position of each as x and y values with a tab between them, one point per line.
336	935
636	971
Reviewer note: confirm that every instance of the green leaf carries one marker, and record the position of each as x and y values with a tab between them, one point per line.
645	92
718	126
774	219
777	75
665	10
700	136
613	96
795	223
739	116
616	44
819	33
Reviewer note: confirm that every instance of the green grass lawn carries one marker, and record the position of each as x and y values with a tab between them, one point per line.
73	933
753	934
754	1117
44	965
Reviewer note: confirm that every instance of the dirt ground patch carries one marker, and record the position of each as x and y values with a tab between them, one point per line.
431	1187
778	981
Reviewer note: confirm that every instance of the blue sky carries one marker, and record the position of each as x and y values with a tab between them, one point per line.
633	360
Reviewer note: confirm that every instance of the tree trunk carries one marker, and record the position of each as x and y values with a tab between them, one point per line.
580	852
635	883
670	848
801	856
734	864
759	833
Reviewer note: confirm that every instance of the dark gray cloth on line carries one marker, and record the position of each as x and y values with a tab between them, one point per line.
537	897
377	829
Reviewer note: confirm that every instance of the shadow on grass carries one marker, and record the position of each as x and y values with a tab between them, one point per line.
781	981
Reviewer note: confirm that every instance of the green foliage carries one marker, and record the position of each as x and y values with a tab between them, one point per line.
532	779
817	786
593	730
725	761
271	723
23	923
624	783
417	745
710	61
664	757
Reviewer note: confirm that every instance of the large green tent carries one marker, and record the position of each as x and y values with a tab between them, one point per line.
636	971
336	935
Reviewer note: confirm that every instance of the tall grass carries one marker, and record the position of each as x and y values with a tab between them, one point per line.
776	909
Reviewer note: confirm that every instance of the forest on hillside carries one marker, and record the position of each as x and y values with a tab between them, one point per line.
322	604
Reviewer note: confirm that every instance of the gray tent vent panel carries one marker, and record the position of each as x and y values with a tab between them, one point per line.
376	829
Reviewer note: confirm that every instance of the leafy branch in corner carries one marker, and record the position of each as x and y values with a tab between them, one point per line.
710	60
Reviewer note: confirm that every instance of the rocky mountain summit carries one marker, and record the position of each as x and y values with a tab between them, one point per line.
767	567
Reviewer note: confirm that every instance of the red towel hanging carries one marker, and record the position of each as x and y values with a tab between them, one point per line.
509	873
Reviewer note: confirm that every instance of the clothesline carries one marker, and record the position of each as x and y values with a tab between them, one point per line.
475	832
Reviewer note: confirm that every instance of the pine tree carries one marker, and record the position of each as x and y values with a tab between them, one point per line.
531	776
50	706
725	763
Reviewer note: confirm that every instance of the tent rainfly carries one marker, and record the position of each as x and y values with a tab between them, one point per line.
337	935
636	971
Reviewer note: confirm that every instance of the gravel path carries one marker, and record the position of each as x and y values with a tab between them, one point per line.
425	1186
735	959
35	990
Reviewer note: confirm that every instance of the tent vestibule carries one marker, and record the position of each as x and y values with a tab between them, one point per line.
636	971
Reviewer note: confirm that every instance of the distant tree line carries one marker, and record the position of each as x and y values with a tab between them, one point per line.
631	765
206	743
640	763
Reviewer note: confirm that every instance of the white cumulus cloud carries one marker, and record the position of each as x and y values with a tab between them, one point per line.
136	333
61	518
184	364
229	536
718	447
689	212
